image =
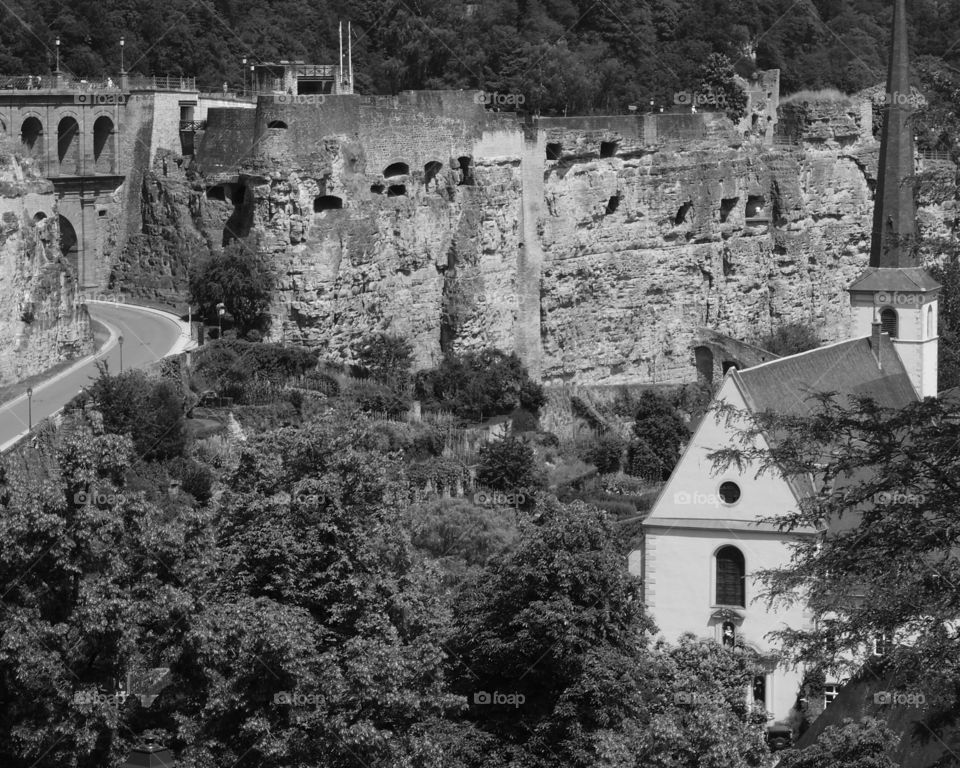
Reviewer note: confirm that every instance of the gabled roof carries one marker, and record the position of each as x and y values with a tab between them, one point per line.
903	279
785	386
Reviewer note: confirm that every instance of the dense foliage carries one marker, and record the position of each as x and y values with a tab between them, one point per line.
563	56
658	435
239	278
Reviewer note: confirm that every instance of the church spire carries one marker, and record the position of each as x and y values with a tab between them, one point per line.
893	238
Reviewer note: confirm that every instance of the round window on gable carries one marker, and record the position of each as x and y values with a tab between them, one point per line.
729	492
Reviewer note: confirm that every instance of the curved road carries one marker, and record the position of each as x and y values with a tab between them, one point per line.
148	335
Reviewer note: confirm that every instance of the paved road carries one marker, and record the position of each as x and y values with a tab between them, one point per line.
147	337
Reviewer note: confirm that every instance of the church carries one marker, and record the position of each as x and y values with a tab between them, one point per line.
703	542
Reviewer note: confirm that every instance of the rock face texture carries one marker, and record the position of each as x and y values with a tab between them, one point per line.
42	321
596	248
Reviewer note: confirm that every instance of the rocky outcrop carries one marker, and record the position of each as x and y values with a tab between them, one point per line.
42	320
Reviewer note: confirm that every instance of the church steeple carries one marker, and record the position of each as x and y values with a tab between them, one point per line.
895	295
894	215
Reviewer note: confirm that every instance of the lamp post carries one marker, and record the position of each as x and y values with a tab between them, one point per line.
244	75
30	409
120	342
251	77
121	56
58	54
221	310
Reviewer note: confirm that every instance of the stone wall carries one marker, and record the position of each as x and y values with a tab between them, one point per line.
41	320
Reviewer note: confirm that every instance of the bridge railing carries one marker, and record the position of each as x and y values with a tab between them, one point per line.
51	83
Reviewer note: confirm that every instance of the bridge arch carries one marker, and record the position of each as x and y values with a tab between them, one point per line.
68	146
69	244
104	156
31	131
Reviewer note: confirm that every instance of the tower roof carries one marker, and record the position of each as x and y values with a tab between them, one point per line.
894	213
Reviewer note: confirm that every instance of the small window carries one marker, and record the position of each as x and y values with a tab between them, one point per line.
830	693
430	171
376	189
888	322
554	150
760	690
276	124
466	171
726	207
931	330
756	208
731	572
327	203
608	148
612	204
729	492
682	213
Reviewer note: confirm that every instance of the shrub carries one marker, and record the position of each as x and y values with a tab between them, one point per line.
426	444
605	452
382	402
195	478
385	358
790	339
658	432
521	420
508	464
547	440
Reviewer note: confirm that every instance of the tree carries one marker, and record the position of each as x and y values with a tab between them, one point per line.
508	464
790	339
948	321
658	433
864	744
386	358
605	452
716	81
239	278
884	502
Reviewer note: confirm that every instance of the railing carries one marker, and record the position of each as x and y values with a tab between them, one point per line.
934	154
49	83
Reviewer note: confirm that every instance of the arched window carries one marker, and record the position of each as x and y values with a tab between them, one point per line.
931	329
731	572
30	132
68	145
276	124
888	321
69	245
327	203
103	144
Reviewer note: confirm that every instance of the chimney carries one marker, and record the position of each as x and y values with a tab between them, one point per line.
875	342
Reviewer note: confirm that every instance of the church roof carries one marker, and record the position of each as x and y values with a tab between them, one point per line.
903	279
847	368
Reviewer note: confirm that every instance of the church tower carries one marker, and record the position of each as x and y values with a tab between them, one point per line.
895	295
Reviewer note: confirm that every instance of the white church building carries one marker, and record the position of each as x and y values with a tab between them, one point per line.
703	542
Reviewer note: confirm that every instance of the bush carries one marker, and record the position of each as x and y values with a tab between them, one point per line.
605	452
508	464
426	444
658	432
478	385
790	339
385	358
521	420
382	402
547	440
195	478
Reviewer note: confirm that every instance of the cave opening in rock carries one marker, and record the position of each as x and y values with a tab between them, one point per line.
376	189
756	208
612	204
276	124
396	190
327	203
216	193
682	213
608	148
430	171
396	169
554	150
703	358
726	207
466	171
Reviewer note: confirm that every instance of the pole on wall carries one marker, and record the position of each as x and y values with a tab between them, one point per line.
350	55
340	70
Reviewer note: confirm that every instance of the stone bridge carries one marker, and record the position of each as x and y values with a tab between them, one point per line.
83	137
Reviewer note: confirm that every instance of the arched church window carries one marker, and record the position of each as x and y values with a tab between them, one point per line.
731	572
888	322
930	329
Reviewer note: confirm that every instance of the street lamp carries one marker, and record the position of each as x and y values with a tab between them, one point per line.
58	53
221	311
121	56
30	409
120	342
244	75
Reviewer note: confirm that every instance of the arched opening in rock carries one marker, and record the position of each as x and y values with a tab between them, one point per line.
430	171
608	148
327	203
612	204
30	132
216	193
396	169
69	244
39	216
728	364
376	189
396	190
554	150
68	145
466	171
277	124
682	213
726	207
703	359
103	145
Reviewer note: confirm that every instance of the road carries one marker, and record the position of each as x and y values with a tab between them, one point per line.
148	335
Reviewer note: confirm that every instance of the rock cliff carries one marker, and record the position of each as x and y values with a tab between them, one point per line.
41	318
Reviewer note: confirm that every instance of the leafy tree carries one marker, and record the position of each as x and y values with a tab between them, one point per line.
948	322
716	79
658	433
150	410
240	279
864	744
386	358
508	464
885	503
605	452
790	339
